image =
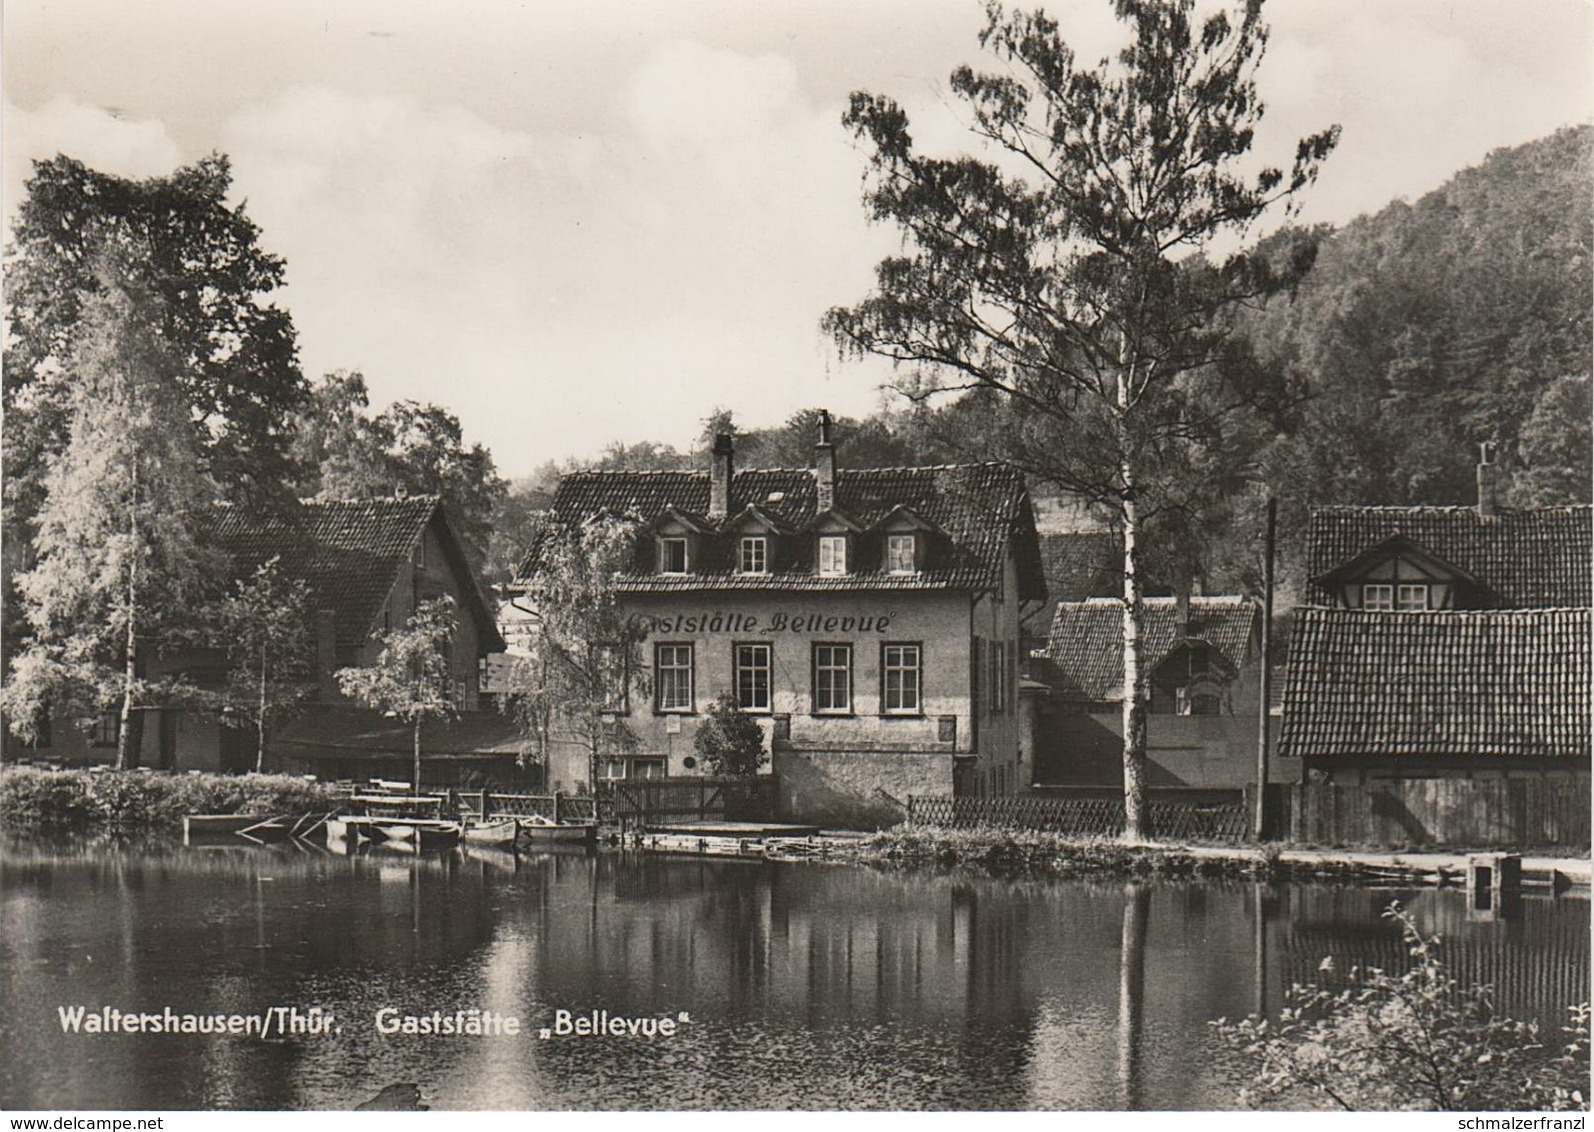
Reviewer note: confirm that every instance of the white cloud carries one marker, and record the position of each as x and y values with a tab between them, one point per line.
100	137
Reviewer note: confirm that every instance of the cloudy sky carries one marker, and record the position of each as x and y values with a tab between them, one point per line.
573	223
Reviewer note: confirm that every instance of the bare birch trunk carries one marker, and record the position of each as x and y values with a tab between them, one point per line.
1134	717
260	717
417	754
124	731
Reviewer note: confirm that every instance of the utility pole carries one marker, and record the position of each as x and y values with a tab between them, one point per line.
1264	719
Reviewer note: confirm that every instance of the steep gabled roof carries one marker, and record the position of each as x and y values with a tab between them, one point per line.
1540	559
1485	682
1078	565
349	553
980	508
1085	655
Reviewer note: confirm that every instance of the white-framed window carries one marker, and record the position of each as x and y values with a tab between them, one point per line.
901	668
832	679
901	554
672	556
673	678
1378	597
615	768
832	554
752	665
1411	597
754	555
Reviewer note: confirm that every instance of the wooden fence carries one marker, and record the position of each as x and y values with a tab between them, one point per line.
1463	812
1086	815
549	807
661	801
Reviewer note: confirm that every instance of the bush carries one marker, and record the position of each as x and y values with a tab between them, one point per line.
1415	1041
31	798
729	741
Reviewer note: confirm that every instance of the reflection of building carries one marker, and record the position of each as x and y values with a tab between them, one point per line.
869	619
1447	641
1199	655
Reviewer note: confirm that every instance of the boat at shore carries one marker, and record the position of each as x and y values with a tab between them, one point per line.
538	829
501	832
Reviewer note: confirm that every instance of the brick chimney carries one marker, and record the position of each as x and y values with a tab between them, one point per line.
719	476
1487	483
825	466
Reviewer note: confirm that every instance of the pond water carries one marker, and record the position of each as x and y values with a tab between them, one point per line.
790	985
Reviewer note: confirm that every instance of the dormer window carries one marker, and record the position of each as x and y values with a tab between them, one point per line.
753	557
1411	598
832	555
673	556
1378	597
902	554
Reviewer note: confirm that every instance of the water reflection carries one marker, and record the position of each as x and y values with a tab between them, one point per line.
807	986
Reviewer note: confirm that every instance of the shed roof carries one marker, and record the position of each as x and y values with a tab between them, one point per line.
1085	655
1450	683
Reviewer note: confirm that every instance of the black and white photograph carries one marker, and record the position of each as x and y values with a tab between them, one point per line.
839	556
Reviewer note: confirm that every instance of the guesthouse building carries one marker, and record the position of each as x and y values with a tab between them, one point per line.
868	619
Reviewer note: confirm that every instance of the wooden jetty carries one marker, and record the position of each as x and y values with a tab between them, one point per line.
722	839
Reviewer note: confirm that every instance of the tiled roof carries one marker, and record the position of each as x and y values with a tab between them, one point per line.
1078	565
1495	682
1085	656
349	552
975	509
1530	559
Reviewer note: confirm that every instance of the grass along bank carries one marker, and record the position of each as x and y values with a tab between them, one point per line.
1017	852
35	798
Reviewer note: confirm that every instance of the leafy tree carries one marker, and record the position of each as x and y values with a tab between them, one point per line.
728	740
412	678
265	629
119	557
1076	298
409	446
236	367
1416	1040
584	658
1554	446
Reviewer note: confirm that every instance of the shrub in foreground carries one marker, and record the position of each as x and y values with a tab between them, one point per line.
1412	1041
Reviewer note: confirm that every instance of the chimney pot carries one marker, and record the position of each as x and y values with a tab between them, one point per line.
1487	484
824	466
720	472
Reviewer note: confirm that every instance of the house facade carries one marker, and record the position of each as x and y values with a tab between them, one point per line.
868	619
1201	657
367	564
1443	642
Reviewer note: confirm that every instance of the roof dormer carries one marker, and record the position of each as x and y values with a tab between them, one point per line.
1398	576
904	540
678	541
753	537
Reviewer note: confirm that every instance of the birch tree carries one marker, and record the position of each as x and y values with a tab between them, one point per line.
119	557
265	622
1070	271
584	660
412	678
